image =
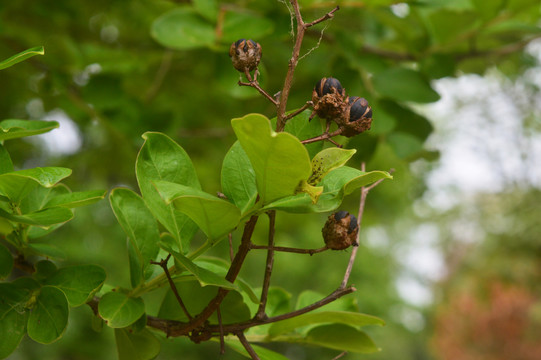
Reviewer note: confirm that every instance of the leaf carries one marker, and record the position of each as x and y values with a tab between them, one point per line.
303	129
23	55
404	85
160	158
49	318
207	8
323	317
279	160
12	317
140	227
119	310
6	165
6	262
77	199
337	184
327	160
238	178
140	345
182	29
204	276
341	337
44	218
79	282
263	353
17	184
405	146
13	129
237	24
214	216
48	250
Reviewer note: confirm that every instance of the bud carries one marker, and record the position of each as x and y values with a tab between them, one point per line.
245	54
340	231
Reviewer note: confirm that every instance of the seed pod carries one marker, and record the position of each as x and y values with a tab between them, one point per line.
340	231
358	108
245	54
326	85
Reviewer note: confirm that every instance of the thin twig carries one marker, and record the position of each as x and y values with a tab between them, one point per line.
298	111
268	267
163	265
160	75
255	84
247	346
291	250
325	136
340	355
220	324
231	254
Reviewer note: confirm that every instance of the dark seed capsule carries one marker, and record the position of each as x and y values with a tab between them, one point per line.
245	54
353	225
326	85
340	215
358	108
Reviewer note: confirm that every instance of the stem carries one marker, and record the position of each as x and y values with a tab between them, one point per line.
247	346
163	265
323	137
268	268
291	250
222	342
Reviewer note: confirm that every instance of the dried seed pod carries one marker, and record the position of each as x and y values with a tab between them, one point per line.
245	54
357	118
340	230
328	99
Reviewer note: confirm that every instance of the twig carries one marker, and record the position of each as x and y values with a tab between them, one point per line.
301	29
255	84
340	355
160	75
247	346
325	136
163	265
220	324
291	250
268	267
231	255
298	111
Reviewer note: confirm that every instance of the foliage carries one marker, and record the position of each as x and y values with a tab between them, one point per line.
119	70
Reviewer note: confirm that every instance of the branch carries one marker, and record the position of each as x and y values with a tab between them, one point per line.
247	346
268	267
252	82
323	137
163	265
291	250
301	29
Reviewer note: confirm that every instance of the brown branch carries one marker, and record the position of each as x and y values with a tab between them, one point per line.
247	346
268	267
298	111
220	324
163	265
291	250
252	82
325	136
301	29
340	355
22	264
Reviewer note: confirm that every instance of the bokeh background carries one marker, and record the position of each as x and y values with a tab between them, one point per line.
450	251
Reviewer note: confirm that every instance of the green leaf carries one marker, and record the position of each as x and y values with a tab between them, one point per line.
119	310
12	317
214	216
341	337
17	184
204	276
405	146
303	129
183	29
79	283
6	165
48	250
238	24
263	353
6	262
279	160
140	345
40	196
337	184
23	55
327	160
77	199
323	317
207	8
44	269
404	85
160	158
140	227
238	178
44	218
49	318
13	129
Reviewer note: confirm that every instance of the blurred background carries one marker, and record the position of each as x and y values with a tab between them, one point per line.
450	252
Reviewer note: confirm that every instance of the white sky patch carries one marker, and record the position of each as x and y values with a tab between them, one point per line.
66	139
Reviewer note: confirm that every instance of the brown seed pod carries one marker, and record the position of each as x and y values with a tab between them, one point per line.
328	99
357	118
245	54
340	231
